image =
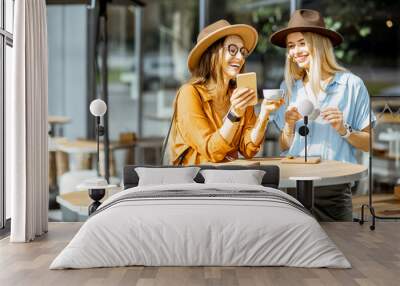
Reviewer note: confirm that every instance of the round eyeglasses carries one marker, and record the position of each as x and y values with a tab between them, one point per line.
233	50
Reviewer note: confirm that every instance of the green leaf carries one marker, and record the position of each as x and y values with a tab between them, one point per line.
339	54
365	31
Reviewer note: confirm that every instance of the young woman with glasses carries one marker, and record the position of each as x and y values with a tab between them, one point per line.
213	120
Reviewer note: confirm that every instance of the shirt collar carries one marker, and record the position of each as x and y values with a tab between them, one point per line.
204	94
338	78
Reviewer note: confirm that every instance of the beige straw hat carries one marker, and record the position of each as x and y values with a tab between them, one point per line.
216	31
305	20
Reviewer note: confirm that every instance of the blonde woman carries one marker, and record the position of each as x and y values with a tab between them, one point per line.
339	124
213	120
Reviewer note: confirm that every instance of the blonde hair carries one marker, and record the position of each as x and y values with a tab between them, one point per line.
210	67
322	60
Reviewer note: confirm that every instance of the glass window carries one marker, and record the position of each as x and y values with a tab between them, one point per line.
122	97
165	56
168	29
371	36
67	101
171	26
67	68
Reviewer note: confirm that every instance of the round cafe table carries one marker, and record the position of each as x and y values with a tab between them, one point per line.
304	177
55	120
330	172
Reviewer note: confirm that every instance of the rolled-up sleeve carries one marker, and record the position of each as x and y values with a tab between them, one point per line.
362	102
195	127
247	148
279	117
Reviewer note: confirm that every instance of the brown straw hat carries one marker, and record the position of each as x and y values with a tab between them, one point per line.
216	31
304	20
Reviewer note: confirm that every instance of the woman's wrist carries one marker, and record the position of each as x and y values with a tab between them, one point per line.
232	117
264	115
236	112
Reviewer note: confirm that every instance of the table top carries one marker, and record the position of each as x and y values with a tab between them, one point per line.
331	172
88	146
389	118
54	119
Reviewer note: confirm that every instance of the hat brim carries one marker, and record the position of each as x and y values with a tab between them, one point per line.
279	37
248	34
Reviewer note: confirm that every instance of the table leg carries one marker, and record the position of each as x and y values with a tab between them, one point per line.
62	162
305	193
52	131
96	195
52	170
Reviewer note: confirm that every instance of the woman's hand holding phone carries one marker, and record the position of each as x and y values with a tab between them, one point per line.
242	98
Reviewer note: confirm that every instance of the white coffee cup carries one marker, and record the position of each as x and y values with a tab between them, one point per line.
273	94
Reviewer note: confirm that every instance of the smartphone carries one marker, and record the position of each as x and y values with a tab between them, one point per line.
248	80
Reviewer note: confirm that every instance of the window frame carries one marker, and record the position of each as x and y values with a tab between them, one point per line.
6	39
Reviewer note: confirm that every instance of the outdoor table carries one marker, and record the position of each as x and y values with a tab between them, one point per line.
54	120
325	173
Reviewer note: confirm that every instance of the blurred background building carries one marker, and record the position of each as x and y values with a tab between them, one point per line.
147	52
169	29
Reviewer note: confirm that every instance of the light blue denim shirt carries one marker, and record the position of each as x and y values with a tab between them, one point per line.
347	92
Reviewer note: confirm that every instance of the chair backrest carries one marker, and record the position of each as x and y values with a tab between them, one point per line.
270	179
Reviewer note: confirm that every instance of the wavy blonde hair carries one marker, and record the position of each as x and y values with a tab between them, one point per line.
322	61
210	67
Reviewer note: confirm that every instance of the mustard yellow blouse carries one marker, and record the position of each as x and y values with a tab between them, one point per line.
195	129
